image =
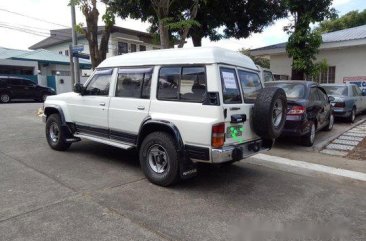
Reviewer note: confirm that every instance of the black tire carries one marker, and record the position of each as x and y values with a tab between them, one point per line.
308	139
164	142
5	97
265	111
43	97
330	125
352	117
55	135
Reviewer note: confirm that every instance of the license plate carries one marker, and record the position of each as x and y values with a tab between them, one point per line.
234	131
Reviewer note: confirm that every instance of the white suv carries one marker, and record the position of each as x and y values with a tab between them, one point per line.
177	107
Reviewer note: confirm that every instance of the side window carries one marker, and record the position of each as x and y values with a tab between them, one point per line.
323	97
354	91
134	83
251	84
28	83
358	91
182	84
15	82
268	76
230	87
169	78
313	94
193	84
99	84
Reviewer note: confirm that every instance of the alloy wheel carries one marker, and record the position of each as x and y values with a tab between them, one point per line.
158	158
277	113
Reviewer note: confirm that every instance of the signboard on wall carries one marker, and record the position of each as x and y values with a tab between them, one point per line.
357	80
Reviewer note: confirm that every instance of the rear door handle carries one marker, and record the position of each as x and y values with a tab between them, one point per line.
141	107
102	104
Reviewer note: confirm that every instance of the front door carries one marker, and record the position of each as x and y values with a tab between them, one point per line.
130	104
17	88
90	110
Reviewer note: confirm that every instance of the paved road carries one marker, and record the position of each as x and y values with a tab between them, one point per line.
96	192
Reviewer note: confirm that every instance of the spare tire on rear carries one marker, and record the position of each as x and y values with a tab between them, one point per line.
269	114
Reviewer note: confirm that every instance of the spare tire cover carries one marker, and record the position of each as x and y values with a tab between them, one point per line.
269	113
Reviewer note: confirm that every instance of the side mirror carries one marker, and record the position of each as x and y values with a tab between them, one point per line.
331	98
79	88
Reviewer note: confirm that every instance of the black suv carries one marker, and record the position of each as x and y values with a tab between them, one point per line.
21	88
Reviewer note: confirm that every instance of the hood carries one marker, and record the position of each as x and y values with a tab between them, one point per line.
62	96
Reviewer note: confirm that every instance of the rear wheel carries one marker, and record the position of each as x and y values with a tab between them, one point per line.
55	135
309	138
159	159
5	98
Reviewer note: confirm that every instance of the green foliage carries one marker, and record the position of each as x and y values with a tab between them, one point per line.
263	62
349	20
303	43
319	67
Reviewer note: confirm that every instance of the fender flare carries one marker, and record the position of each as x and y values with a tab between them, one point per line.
59	110
187	168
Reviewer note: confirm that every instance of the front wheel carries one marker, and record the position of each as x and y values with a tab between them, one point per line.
330	125
159	159
309	138
55	135
352	116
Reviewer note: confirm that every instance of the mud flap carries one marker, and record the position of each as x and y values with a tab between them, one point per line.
188	169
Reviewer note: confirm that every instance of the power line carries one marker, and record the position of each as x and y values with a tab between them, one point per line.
34	18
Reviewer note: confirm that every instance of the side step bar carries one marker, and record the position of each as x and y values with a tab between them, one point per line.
118	144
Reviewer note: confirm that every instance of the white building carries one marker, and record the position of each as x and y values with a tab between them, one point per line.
121	41
344	51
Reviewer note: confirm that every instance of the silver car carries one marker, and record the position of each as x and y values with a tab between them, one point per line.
347	99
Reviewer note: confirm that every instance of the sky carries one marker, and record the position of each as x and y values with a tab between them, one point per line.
55	14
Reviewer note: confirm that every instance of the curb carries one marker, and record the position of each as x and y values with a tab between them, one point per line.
324	143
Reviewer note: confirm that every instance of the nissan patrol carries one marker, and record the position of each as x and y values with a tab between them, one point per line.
176	107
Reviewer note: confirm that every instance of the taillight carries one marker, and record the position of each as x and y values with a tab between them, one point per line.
340	104
218	135
296	110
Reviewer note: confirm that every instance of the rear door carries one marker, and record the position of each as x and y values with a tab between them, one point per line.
361	98
130	104
358	99
30	89
17	88
235	107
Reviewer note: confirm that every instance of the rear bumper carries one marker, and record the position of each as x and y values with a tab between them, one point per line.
341	112
296	128
239	152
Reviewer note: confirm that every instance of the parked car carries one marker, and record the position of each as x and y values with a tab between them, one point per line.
22	88
308	110
176	107
348	100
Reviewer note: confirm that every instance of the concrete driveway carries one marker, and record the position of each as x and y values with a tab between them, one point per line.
97	192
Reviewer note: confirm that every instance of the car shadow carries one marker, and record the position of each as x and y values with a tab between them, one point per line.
209	176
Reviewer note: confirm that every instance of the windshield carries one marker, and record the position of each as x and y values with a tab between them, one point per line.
292	90
336	90
268	76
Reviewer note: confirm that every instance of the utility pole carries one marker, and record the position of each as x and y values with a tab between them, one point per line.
72	70
74	43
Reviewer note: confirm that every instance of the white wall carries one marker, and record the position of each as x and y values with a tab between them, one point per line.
349	62
67	85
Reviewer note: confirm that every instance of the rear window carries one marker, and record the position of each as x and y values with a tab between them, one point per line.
230	87
251	84
336	90
292	90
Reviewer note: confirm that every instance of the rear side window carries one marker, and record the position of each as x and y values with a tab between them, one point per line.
99	84
230	87
2	83
134	83
251	84
15	82
186	83
313	94
322	95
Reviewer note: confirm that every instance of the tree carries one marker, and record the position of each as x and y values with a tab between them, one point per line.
98	52
215	19
349	20
303	43
263	62
220	19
